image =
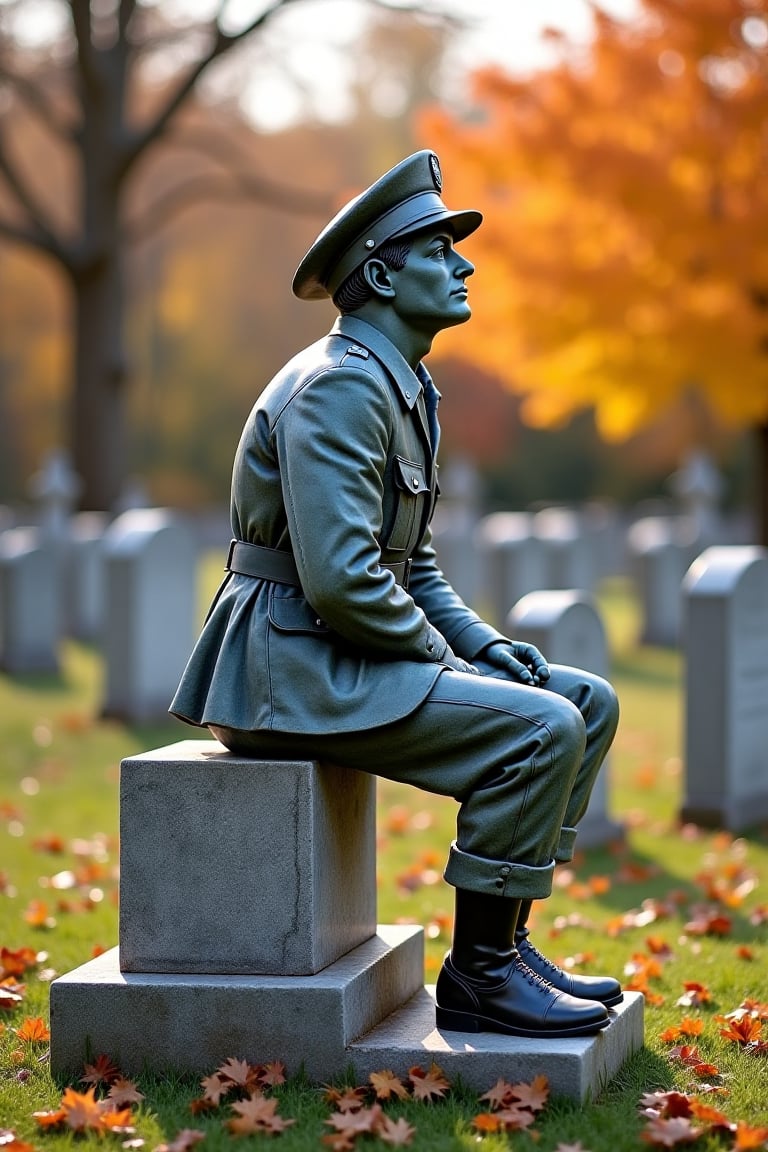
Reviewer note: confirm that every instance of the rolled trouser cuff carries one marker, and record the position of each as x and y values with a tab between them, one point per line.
498	877
565	845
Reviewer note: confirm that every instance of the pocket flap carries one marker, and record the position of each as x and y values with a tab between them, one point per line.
410	476
294	614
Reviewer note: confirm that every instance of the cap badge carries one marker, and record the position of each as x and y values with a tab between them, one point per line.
437	175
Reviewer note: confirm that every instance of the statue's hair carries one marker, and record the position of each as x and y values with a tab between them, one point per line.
353	292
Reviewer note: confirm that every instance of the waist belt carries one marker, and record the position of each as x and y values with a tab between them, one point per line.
274	564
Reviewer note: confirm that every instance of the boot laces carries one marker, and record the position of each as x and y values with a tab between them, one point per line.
531	949
533	978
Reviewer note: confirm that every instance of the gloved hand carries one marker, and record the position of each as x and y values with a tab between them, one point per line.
514	659
455	663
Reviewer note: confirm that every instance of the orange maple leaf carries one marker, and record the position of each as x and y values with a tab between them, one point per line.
498	1094
49	1119
102	1071
487	1122
709	1115
395	1132
747	1137
385	1084
273	1074
666	1104
347	1099
239	1072
119	1120
81	1110
669	1035
743	1031
428	1085
514	1119
33	1030
123	1091
691	1027
214	1088
182	1141
257	1114
534	1095
16	963
37	915
668	1132
356	1122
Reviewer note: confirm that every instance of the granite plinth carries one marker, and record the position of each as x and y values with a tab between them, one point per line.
231	865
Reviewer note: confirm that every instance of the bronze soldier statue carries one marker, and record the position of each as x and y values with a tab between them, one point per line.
335	635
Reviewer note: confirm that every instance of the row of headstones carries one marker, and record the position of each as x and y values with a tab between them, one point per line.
497	559
129	587
147	565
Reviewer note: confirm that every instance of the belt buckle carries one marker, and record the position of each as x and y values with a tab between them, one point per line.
407	572
230	554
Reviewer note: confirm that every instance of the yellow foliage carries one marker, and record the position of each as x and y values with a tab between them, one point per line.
623	260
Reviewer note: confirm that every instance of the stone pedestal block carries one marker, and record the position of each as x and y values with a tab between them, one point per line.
231	865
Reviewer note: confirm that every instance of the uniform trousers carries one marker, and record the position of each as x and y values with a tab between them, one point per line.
521	761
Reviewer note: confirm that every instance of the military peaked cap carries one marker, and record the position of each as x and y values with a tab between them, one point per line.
401	201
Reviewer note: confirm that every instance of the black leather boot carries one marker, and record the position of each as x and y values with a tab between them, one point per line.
484	985
604	989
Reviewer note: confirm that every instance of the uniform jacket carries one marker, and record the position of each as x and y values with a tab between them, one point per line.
336	463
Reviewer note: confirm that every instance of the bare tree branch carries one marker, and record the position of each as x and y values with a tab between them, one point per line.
41	229
81	23
217	186
35	99
222	42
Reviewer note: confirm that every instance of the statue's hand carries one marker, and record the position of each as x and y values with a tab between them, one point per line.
515	659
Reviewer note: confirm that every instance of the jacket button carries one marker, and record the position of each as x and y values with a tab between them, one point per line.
499	883
505	870
318	623
415	482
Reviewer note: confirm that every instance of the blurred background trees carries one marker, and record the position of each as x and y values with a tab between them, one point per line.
621	266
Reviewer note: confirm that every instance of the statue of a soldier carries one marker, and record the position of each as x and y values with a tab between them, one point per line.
336	636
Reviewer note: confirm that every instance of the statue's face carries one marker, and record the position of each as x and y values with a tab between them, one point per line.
430	292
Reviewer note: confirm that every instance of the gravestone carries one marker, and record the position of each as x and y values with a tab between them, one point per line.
265	871
84	590
726	688
511	560
30	619
569	561
453	524
566	627
55	488
150	611
661	549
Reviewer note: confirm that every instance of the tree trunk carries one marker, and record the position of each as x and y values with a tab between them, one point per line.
98	433
761	483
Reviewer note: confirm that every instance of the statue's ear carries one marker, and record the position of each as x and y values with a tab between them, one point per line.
378	278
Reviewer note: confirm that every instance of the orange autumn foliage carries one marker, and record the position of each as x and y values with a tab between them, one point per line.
623	261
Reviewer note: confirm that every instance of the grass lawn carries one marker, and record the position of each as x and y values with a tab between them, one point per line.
679	913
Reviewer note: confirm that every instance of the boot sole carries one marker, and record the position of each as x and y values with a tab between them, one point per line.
452	1021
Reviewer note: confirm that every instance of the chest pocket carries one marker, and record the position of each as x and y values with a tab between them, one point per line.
411	494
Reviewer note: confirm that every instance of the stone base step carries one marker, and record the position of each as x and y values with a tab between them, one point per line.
192	1022
368	1011
579	1067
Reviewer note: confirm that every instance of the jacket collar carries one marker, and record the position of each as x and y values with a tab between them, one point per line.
409	383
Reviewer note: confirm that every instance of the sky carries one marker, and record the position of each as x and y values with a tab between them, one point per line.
314	35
